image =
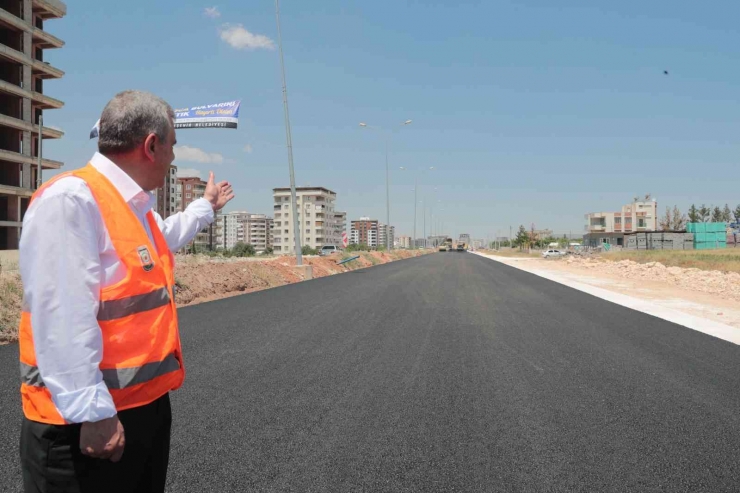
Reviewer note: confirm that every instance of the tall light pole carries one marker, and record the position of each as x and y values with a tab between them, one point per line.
416	187
388	241
289	142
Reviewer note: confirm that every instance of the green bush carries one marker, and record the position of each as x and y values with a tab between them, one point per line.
307	250
243	250
358	248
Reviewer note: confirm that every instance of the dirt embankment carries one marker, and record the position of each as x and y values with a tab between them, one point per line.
723	284
201	278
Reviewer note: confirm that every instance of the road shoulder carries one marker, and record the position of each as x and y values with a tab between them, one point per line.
697	311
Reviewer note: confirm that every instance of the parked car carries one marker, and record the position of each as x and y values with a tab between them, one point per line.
553	253
328	250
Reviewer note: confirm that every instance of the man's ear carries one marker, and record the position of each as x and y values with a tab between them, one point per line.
150	145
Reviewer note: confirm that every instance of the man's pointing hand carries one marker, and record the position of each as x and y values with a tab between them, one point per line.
218	194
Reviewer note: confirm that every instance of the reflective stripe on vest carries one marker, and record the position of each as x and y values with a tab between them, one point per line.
113	309
118	378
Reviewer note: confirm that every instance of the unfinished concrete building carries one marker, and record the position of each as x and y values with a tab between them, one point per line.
22	101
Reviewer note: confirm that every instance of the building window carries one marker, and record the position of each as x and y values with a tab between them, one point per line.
617	220
188	187
187	195
308	231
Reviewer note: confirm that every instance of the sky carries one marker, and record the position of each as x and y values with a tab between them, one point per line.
529	111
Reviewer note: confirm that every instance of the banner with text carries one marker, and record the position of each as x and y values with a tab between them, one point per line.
220	115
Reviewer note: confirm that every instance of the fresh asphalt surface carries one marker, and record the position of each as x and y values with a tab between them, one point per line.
448	372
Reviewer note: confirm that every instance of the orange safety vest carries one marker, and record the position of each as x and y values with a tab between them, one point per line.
142	356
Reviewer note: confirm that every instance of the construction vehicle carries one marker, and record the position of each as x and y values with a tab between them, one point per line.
446	246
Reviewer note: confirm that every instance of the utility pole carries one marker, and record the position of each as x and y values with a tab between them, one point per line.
416	187
289	143
424	211
41	140
388	242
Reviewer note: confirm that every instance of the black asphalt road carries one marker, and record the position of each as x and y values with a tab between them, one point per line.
444	373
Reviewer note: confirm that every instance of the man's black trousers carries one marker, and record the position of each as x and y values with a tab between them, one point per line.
52	461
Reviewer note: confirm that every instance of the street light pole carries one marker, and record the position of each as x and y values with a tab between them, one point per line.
388	241
289	142
416	187
424	209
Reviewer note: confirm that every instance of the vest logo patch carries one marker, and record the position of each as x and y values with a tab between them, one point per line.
146	258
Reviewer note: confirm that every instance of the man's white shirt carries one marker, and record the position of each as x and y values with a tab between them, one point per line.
66	258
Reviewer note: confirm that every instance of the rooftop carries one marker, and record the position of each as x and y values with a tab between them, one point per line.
304	189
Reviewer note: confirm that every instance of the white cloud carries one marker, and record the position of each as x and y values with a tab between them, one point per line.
248	148
241	39
212	12
195	155
188	173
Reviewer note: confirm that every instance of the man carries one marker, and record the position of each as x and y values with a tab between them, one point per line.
99	343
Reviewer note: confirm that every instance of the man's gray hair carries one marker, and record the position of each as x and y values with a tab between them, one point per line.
129	118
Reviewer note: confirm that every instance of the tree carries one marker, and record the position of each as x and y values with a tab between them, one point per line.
717	215
726	214
737	214
666	221
678	222
704	213
694	214
522	237
242	249
269	250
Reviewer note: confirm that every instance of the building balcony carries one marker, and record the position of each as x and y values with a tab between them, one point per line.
49	9
13	21
15	191
16	157
48	133
42	101
41	38
44	40
41	69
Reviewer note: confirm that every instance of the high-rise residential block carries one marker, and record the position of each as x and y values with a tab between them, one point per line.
23	72
365	231
316	219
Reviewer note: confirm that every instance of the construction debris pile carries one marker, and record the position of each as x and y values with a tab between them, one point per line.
723	284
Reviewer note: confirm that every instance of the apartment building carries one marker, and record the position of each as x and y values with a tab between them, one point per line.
230	227
634	217
245	227
22	101
258	231
403	242
365	231
340	226
316	218
609	227
386	235
166	195
189	189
